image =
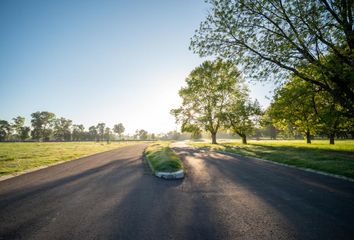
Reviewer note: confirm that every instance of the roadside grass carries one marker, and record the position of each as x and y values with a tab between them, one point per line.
19	157
162	158
336	159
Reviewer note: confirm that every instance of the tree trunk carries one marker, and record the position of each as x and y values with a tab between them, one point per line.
273	132
308	137
331	138
244	139
213	138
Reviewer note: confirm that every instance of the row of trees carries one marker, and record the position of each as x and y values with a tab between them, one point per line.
299	107
217	98
45	126
307	46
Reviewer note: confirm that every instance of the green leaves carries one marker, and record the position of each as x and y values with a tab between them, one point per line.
42	124
211	89
308	110
272	39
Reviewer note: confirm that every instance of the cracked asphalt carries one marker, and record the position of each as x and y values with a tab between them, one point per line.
113	195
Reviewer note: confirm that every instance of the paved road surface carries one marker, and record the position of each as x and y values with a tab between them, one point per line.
113	196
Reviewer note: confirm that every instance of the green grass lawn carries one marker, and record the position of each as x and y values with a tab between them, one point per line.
162	158
337	159
18	157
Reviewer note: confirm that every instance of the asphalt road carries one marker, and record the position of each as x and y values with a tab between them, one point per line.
112	195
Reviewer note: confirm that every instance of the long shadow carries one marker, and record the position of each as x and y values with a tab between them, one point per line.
88	202
14	196
318	207
160	209
23	213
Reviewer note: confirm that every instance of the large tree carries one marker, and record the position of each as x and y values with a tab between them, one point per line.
271	39
42	123
209	89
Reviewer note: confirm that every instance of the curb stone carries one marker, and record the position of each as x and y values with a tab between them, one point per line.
290	166
170	175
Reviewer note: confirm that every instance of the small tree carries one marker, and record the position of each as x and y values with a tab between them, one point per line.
241	116
17	126
267	123
78	132
100	130
143	135
25	133
153	137
93	133
107	134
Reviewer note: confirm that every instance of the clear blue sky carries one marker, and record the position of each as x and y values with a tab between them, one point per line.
99	61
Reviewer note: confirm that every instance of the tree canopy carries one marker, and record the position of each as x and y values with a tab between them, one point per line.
119	129
210	88
309	110
271	39
42	123
294	104
241	116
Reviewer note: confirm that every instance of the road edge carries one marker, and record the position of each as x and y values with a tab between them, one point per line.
12	175
289	166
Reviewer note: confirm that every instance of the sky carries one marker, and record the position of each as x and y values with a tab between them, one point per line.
100	61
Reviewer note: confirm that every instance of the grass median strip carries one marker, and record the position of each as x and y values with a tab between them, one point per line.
162	158
19	157
336	159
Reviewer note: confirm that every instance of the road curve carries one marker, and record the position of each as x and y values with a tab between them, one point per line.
113	195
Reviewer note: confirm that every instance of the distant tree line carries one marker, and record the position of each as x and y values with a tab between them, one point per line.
45	126
216	99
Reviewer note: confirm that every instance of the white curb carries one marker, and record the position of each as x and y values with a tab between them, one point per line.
170	175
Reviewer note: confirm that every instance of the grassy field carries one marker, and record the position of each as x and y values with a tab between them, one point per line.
337	159
18	157
162	158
